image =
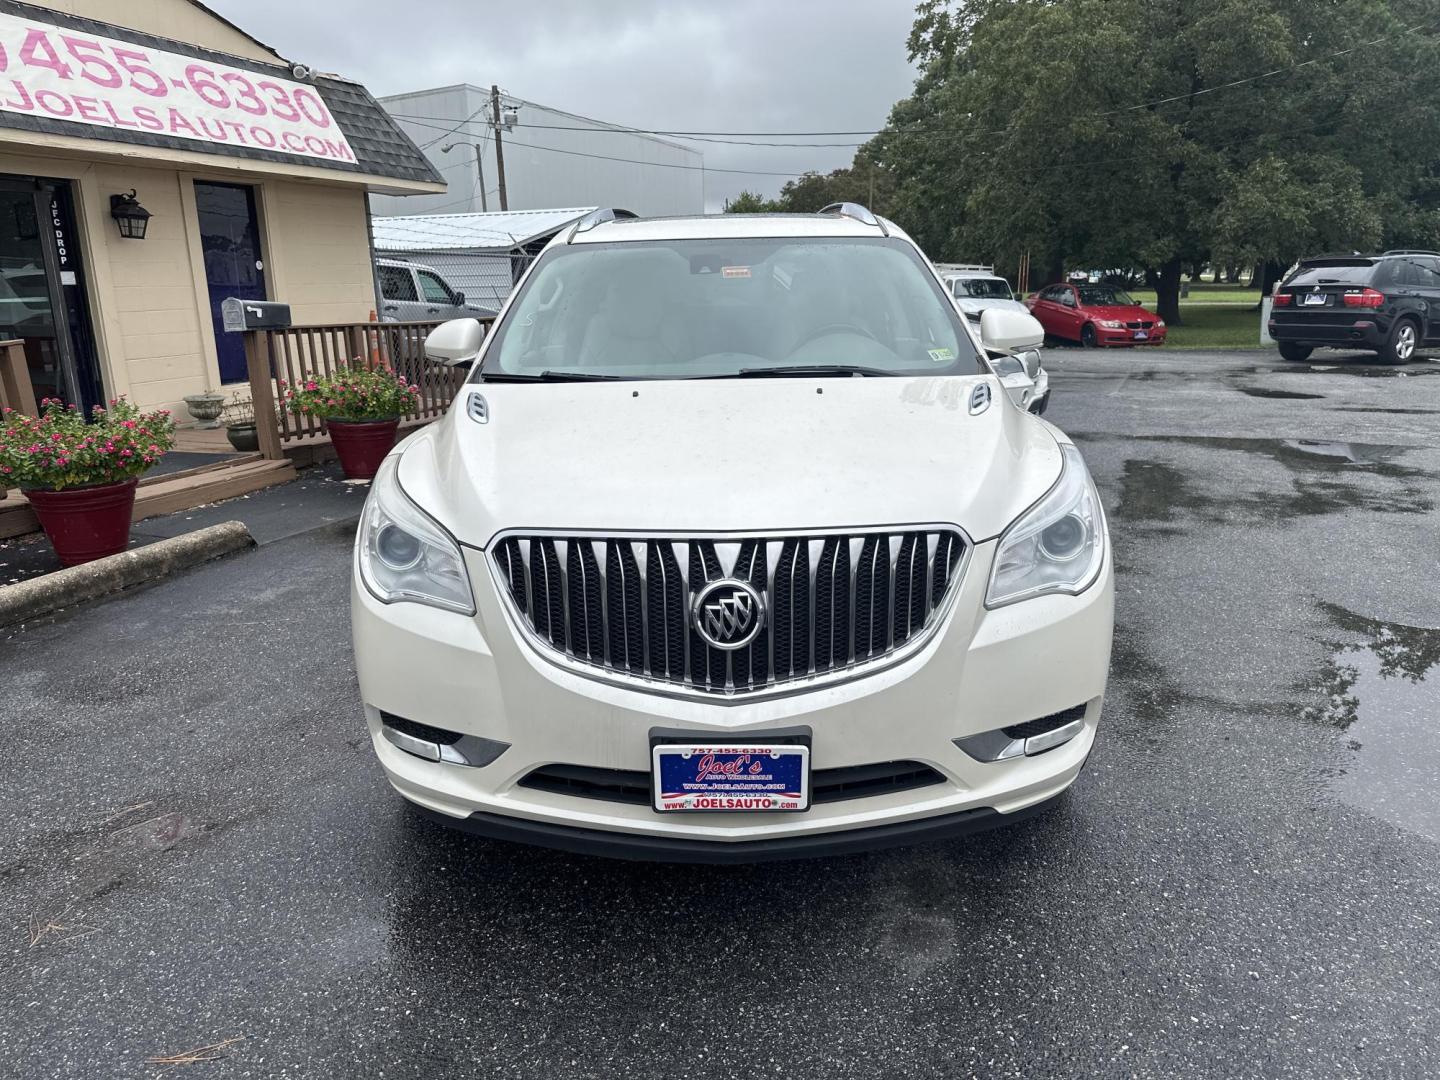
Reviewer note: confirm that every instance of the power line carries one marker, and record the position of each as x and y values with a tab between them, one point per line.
656	164
457	127
733	137
1034	168
634	161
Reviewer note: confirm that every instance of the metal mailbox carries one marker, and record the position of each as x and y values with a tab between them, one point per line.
236	314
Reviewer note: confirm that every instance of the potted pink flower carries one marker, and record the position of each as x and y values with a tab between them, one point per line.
80	476
361	408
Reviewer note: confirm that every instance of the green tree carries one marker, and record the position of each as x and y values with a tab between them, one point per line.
1109	133
748	202
862	182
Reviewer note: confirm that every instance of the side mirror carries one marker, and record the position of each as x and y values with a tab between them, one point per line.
1031	359
459	299
455	343
1017	383
1010	331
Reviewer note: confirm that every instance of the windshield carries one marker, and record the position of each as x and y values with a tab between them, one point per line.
984	288
678	309
1105	296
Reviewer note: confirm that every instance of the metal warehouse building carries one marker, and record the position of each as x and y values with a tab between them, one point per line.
552	158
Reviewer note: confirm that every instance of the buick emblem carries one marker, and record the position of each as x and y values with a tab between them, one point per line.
728	613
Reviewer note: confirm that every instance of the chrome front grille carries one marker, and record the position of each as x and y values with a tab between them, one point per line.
619	607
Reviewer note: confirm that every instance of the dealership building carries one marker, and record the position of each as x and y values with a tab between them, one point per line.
156	159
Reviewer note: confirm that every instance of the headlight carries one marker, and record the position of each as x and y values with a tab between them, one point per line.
404	554
1112	324
1057	546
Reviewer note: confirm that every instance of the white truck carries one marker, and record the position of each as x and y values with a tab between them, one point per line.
976	289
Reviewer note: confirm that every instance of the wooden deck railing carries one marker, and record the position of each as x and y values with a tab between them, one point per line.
289	355
16	392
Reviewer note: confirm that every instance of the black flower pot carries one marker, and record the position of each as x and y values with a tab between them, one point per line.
243	437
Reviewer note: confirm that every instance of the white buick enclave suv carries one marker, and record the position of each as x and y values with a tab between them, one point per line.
732	547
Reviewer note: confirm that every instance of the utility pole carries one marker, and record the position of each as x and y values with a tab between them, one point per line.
499	144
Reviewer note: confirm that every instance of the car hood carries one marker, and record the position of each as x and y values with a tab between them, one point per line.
756	455
969	305
1122	312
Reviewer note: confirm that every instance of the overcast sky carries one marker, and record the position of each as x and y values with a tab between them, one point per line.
692	65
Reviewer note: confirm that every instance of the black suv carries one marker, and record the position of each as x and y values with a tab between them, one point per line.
1387	303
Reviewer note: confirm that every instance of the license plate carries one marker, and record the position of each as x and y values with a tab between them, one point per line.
730	778
1314	299
1141	335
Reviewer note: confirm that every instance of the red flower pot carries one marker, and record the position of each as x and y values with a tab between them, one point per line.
86	523
362	445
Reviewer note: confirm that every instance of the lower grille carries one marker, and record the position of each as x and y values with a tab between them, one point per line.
1032	728
826	785
830	603
417	730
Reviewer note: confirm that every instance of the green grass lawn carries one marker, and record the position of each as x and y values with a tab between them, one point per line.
1206	294
1216	326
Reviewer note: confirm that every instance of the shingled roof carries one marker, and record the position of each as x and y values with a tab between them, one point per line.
381	148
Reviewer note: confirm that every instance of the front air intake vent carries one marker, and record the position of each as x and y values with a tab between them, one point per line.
1045	723
826	785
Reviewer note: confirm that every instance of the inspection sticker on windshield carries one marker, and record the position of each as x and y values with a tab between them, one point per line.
734	271
731	777
941	355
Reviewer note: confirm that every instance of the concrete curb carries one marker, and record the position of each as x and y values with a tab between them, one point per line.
89	581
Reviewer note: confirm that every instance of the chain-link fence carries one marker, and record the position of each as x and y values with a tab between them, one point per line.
485	277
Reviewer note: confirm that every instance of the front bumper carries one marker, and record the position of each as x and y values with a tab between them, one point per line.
982	671
1105	336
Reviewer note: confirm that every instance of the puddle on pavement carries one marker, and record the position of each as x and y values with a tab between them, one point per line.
1384	694
1389	412
1307	455
1364	366
1284	395
1156	492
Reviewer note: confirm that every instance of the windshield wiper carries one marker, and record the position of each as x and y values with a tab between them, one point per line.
549	376
787	370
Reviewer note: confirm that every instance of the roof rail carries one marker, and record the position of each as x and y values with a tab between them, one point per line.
1409	251
596	217
856	211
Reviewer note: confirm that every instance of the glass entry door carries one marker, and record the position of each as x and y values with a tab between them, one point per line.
42	290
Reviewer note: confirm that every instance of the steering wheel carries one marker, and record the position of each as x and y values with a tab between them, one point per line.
834	328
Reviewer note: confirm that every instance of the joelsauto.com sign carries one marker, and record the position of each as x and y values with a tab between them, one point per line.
63	74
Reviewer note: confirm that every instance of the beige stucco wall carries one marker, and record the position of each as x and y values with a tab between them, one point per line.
177	19
149	300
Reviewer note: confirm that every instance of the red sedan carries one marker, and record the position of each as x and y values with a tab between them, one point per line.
1095	315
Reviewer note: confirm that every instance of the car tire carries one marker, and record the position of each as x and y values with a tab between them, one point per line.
1088	338
1402	342
1291	351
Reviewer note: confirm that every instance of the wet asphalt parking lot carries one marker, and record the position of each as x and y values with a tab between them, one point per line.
201	850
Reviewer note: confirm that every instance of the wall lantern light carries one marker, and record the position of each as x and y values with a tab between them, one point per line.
129	215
